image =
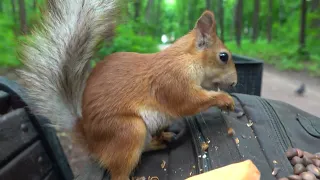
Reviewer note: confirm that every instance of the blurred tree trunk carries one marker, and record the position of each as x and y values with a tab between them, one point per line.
215	5
232	24
137	6
13	5
255	20
34	4
208	4
303	18
148	10
238	22
282	13
315	21
190	14
158	16
23	17
221	20
269	23
1	6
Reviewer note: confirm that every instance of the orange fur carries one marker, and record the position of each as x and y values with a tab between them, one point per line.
170	82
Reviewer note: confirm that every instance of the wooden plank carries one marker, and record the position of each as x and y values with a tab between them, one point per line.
92	171
16	133
52	176
4	102
31	164
53	147
18	97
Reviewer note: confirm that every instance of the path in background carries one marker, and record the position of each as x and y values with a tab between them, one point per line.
282	85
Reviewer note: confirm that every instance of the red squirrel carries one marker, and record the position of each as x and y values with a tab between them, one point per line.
116	108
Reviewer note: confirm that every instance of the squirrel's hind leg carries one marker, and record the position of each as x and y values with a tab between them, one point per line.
159	142
119	150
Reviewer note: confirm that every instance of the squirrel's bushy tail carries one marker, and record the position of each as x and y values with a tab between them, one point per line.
57	56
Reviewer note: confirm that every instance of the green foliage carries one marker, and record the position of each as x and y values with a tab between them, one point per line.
129	41
177	17
9	32
126	40
8	43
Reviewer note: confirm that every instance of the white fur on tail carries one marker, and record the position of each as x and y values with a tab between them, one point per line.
57	57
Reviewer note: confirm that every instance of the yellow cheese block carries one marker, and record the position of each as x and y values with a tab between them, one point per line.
244	170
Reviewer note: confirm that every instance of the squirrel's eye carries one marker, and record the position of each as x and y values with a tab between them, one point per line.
224	57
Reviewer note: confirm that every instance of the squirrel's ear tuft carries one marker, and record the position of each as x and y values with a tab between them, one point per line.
205	27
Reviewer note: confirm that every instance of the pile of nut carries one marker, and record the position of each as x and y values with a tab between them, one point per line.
306	166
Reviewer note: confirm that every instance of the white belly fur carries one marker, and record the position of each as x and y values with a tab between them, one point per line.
155	120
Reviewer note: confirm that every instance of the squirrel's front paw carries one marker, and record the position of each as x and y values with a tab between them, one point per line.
224	101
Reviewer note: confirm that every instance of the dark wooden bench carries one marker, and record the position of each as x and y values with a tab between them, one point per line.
29	148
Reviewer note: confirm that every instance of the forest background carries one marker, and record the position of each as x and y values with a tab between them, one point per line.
284	33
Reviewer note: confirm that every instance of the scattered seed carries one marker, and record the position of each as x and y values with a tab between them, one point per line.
275	162
244	136
153	178
204	146
238	112
165	169
231	132
275	171
163	164
250	123
190	173
62	134
193	166
237	141
204	156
